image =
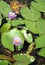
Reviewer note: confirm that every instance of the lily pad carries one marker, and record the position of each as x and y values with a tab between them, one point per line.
4	62
7	38
25	12
17	22
41	26
40	1
42	52
4	8
32	26
40	42
40	5
0	15
28	37
23	59
5	28
34	14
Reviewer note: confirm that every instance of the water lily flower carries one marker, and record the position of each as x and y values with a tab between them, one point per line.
11	15
17	41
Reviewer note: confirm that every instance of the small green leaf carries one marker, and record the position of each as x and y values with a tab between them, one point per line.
31	26
23	59
4	8
41	26
34	14
39	6
17	22
40	41
4	62
7	41
40	1
42	52
5	28
25	12
28	37
0	15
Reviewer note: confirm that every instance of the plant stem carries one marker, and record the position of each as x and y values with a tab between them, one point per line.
4	57
30	48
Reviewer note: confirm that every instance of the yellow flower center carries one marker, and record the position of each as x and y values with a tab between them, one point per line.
11	15
17	40
15	6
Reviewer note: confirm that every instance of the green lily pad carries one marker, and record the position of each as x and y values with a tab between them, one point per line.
40	1
23	59
34	14
32	26
4	62
5	28
28	37
42	52
31	14
41	26
4	8
0	15
40	5
25	12
7	38
40	42
17	22
7	41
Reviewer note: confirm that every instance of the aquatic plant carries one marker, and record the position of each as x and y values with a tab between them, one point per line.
21	33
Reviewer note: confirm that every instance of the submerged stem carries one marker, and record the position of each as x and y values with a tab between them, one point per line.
4	57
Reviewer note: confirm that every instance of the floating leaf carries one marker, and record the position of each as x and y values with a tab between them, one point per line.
4	62
5	28
40	41
7	38
40	1
42	52
0	15
39	6
17	22
41	26
7	41
31	26
31	14
28	37
4	8
23	59
25	12
34	14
